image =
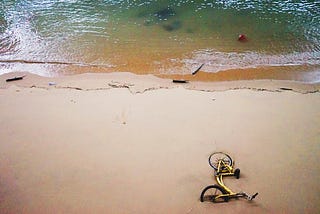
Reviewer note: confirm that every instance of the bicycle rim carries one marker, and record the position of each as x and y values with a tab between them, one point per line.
216	156
210	193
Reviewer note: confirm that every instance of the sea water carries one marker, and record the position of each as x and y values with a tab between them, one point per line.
58	37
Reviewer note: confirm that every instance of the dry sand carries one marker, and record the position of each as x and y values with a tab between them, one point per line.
121	143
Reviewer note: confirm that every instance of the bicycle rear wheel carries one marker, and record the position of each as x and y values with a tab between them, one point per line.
216	156
211	192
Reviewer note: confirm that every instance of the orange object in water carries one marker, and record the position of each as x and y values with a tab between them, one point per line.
242	38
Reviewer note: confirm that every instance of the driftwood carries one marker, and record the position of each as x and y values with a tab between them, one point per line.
15	78
198	69
180	81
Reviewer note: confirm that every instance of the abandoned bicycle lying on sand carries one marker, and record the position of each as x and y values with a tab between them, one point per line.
223	166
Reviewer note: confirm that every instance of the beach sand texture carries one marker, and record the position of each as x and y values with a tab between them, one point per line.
122	143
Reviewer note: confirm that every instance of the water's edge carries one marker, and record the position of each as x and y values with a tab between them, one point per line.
143	83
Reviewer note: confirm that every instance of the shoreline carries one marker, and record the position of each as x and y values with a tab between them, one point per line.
136	83
308	74
126	143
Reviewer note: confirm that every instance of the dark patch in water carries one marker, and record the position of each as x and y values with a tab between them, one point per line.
165	13
155	17
175	25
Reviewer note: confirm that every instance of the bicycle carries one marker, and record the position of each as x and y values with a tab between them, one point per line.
222	163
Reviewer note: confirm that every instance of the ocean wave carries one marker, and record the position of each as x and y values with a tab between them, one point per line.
216	61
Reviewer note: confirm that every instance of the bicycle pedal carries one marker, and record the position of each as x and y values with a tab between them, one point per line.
250	198
255	195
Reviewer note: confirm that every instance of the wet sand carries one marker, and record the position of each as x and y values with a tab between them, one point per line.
124	143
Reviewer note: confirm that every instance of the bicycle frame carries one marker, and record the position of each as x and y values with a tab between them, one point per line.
226	170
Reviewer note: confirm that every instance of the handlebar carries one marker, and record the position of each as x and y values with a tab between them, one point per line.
247	196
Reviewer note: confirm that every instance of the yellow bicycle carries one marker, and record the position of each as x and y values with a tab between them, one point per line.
223	165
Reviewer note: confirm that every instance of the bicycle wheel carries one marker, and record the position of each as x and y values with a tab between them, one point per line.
237	173
216	156
211	192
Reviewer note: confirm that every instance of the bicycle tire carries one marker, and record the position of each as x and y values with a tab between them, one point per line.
206	194
237	173
216	156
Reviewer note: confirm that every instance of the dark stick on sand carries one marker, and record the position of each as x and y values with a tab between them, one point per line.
196	71
15	78
180	81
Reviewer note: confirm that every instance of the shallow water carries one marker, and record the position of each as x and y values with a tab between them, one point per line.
57	37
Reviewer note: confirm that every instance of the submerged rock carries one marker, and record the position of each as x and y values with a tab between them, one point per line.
156	17
165	13
175	25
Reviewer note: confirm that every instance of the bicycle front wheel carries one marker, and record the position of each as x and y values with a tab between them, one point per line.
215	157
210	193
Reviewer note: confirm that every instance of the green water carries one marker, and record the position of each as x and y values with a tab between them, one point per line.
56	37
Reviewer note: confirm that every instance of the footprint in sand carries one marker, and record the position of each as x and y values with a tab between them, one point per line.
122	118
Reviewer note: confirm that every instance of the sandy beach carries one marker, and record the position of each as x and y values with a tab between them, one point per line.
125	143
